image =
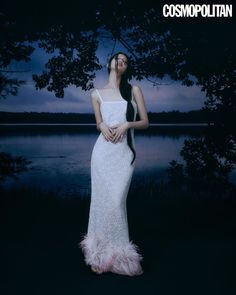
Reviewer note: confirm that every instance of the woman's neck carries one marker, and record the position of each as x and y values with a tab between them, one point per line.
113	81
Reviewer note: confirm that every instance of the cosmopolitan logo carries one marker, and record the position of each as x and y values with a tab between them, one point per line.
195	10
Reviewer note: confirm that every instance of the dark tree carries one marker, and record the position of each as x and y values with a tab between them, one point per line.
12	48
193	51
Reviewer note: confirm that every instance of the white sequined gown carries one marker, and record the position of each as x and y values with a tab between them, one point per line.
106	243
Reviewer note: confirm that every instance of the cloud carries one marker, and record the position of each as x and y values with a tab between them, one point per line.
164	98
171	97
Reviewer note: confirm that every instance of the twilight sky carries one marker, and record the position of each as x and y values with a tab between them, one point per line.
168	97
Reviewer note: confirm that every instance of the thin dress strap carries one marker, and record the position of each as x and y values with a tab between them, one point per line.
99	95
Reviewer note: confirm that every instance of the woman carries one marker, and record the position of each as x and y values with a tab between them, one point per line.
106	244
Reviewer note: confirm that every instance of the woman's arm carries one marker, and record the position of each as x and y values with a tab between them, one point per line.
143	123
96	109
101	126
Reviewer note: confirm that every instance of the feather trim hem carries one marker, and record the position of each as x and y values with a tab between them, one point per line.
109	257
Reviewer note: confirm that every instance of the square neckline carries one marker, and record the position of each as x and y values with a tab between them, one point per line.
120	100
110	101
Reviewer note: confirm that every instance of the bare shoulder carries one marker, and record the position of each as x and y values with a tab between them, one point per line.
137	93
136	88
93	92
94	95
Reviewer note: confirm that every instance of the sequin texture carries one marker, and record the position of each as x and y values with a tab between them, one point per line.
106	243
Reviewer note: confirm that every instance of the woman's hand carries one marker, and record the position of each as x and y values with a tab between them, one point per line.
119	131
106	131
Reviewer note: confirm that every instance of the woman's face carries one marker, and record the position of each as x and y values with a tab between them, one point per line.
122	63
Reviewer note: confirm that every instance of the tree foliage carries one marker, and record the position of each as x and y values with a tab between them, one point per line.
209	160
75	63
193	51
12	48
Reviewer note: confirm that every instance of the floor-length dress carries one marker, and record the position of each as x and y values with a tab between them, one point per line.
106	243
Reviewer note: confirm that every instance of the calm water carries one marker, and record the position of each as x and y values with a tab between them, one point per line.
61	158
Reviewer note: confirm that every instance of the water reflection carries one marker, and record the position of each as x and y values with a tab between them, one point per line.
61	159
61	162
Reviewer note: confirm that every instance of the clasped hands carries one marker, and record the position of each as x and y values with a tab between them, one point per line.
115	133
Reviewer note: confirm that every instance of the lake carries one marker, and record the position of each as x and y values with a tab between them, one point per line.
60	153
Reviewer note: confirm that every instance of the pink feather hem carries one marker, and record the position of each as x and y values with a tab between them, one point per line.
108	257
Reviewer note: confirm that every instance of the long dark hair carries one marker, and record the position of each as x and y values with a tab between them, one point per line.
126	93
